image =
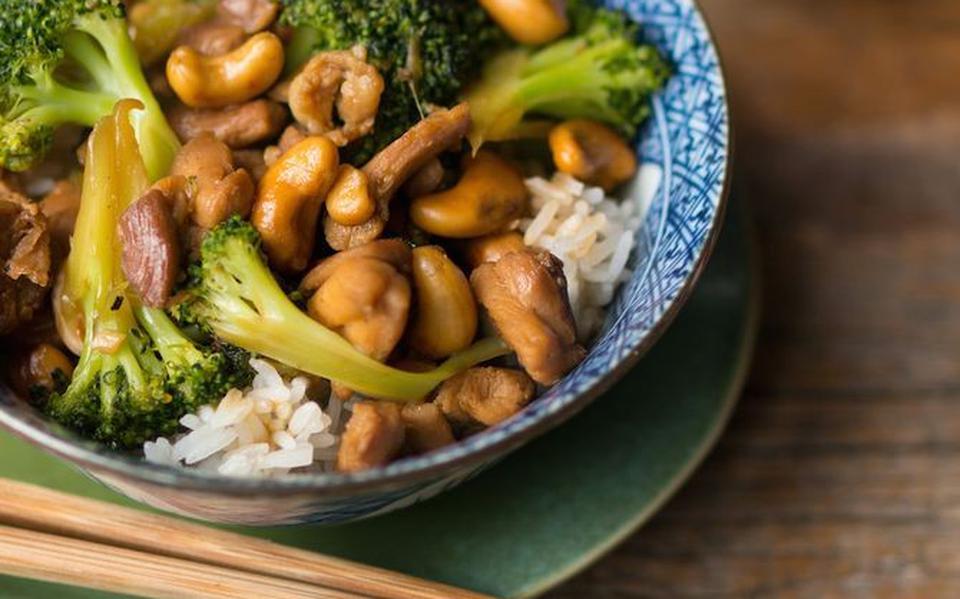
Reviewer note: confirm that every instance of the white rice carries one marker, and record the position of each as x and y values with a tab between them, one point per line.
269	429
592	234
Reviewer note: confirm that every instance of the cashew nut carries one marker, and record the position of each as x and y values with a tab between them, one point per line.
491	193
237	76
532	22
446	318
349	201
289	200
593	153
493	247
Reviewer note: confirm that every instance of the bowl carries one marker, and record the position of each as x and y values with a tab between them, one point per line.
685	147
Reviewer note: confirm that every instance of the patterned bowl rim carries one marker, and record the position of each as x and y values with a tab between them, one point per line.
474	452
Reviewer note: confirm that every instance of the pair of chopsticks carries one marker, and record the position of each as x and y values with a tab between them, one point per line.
52	536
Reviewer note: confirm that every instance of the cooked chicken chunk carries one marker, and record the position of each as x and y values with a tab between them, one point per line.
394	165
220	190
525	295
238	126
373	436
484	394
25	253
426	428
150	248
392	251
367	301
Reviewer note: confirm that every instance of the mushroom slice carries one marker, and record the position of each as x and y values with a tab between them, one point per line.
394	165
150	248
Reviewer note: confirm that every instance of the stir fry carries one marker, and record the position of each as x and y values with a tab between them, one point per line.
260	236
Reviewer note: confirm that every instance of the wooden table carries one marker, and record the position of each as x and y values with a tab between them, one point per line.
840	474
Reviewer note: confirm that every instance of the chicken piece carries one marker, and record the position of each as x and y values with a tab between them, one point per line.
219	189
26	242
251	15
60	207
394	165
213	38
238	126
367	301
484	395
25	253
373	436
339	79
150	245
426	428
525	295
394	252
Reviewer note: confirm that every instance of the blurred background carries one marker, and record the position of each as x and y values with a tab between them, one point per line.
840	473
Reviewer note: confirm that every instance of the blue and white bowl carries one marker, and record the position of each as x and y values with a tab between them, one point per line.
688	136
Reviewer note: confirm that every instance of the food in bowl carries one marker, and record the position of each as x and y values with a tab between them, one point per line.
312	235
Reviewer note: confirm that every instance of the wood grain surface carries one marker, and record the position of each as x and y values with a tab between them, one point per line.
840	474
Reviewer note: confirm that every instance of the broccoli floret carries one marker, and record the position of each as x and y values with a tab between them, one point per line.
235	297
137	373
70	61
598	72
426	50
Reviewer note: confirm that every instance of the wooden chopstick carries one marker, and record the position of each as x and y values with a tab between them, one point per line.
29	554
85	520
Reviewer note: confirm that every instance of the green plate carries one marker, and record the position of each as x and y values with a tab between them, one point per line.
558	504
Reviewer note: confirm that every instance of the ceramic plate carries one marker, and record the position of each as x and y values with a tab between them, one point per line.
558	504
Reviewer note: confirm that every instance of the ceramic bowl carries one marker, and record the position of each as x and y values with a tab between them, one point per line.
685	146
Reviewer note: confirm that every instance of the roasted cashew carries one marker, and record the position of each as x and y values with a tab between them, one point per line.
289	200
491	193
532	22
342	79
593	153
232	78
349	201
446	316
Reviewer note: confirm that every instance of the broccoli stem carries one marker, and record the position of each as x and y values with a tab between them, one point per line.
158	142
246	307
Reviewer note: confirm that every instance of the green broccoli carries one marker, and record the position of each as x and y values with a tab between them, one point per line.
426	50
235	297
137	374
598	72
70	61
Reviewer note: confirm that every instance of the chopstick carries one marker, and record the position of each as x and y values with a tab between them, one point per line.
94	535
29	554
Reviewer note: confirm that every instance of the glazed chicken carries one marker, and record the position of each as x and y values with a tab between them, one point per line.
484	395
525	295
373	437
